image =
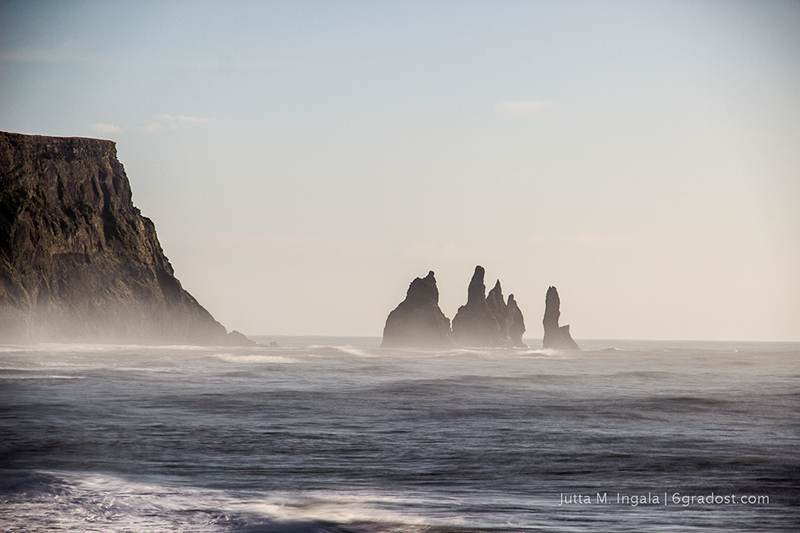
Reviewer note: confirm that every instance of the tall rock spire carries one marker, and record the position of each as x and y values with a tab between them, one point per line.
487	320
473	324
516	323
554	336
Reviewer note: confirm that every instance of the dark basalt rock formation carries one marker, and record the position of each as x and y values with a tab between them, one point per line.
488	320
516	326
236	338
418	321
473	324
78	262
554	336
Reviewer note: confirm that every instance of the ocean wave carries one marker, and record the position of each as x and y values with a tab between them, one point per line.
37	376
352	350
547	352
235	439
64	501
56	501
253	358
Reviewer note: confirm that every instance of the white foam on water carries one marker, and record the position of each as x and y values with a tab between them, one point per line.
352	350
93	502
253	359
14	348
47	376
97	502
343	508
550	352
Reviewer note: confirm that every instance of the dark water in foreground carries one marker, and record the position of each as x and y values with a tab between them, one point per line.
337	435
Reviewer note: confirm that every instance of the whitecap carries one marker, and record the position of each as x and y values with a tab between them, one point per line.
253	359
81	502
352	350
2	376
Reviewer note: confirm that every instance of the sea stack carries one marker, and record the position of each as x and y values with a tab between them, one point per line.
555	337
78	262
473	324
488	321
418	321
516	325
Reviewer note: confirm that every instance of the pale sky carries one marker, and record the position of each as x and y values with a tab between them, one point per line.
304	161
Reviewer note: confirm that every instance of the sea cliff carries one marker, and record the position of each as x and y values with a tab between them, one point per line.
78	262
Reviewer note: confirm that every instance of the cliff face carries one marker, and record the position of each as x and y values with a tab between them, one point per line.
78	262
554	336
488	320
418	321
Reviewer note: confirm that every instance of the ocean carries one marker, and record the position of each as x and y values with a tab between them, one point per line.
338	435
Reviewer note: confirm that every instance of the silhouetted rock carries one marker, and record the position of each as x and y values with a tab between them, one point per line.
238	339
516	326
473	324
486	320
554	336
418	321
510	322
78	262
499	310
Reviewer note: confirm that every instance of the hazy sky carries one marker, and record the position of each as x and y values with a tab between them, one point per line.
304	161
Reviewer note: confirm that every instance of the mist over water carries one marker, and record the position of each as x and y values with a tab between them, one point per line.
334	434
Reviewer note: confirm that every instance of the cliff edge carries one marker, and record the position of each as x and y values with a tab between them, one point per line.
78	262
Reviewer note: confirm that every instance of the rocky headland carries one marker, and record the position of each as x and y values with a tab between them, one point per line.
555	336
417	321
78	262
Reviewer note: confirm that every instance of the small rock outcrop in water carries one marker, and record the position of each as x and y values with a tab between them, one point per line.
488	320
78	262
418	321
554	336
236	338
